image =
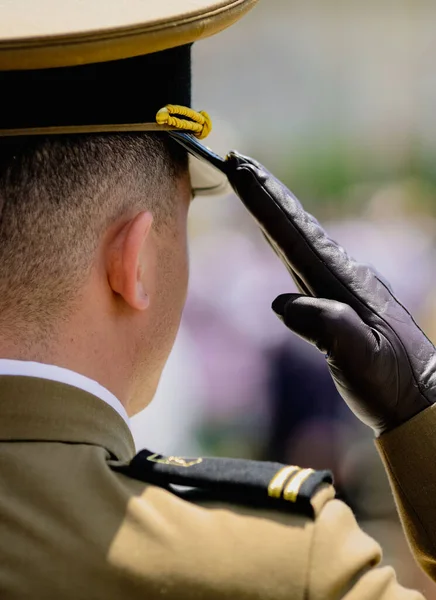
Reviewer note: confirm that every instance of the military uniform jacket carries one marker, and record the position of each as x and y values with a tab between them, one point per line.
77	521
409	453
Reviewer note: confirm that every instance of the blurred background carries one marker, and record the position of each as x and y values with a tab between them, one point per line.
338	100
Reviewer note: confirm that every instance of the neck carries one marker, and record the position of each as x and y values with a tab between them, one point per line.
88	355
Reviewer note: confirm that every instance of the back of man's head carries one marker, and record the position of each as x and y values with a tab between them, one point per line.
57	197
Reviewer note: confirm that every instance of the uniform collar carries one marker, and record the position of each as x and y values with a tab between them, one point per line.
35	409
62	375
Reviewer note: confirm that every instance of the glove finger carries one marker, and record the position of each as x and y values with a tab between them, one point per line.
322	266
298	282
334	328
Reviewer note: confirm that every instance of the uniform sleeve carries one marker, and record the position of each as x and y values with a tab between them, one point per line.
344	561
409	453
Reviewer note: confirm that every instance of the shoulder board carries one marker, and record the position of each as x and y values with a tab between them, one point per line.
246	482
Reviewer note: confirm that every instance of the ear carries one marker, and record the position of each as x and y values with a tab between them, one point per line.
126	261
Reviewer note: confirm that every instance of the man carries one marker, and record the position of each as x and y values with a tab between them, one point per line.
93	249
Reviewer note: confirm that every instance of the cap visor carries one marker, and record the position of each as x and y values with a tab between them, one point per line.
206	180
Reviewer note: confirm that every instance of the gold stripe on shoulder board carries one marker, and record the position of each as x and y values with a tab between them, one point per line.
277	483
174	461
293	487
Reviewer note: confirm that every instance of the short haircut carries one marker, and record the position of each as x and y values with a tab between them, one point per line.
57	197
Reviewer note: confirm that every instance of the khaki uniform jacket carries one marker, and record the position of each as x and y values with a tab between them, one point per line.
72	527
409	454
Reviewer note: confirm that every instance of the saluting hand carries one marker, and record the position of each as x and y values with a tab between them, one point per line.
383	365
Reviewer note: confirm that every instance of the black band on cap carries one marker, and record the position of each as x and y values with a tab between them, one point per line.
125	91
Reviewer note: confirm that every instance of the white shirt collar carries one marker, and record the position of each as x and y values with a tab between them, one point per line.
61	375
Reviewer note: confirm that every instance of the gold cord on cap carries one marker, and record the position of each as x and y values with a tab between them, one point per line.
200	123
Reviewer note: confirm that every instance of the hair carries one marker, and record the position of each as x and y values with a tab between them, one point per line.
57	197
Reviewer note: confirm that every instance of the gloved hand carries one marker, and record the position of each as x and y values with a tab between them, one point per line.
383	365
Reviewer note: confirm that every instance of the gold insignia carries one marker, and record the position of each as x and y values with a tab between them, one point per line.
276	484
293	487
174	461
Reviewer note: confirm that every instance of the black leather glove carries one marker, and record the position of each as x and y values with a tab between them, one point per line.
382	363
